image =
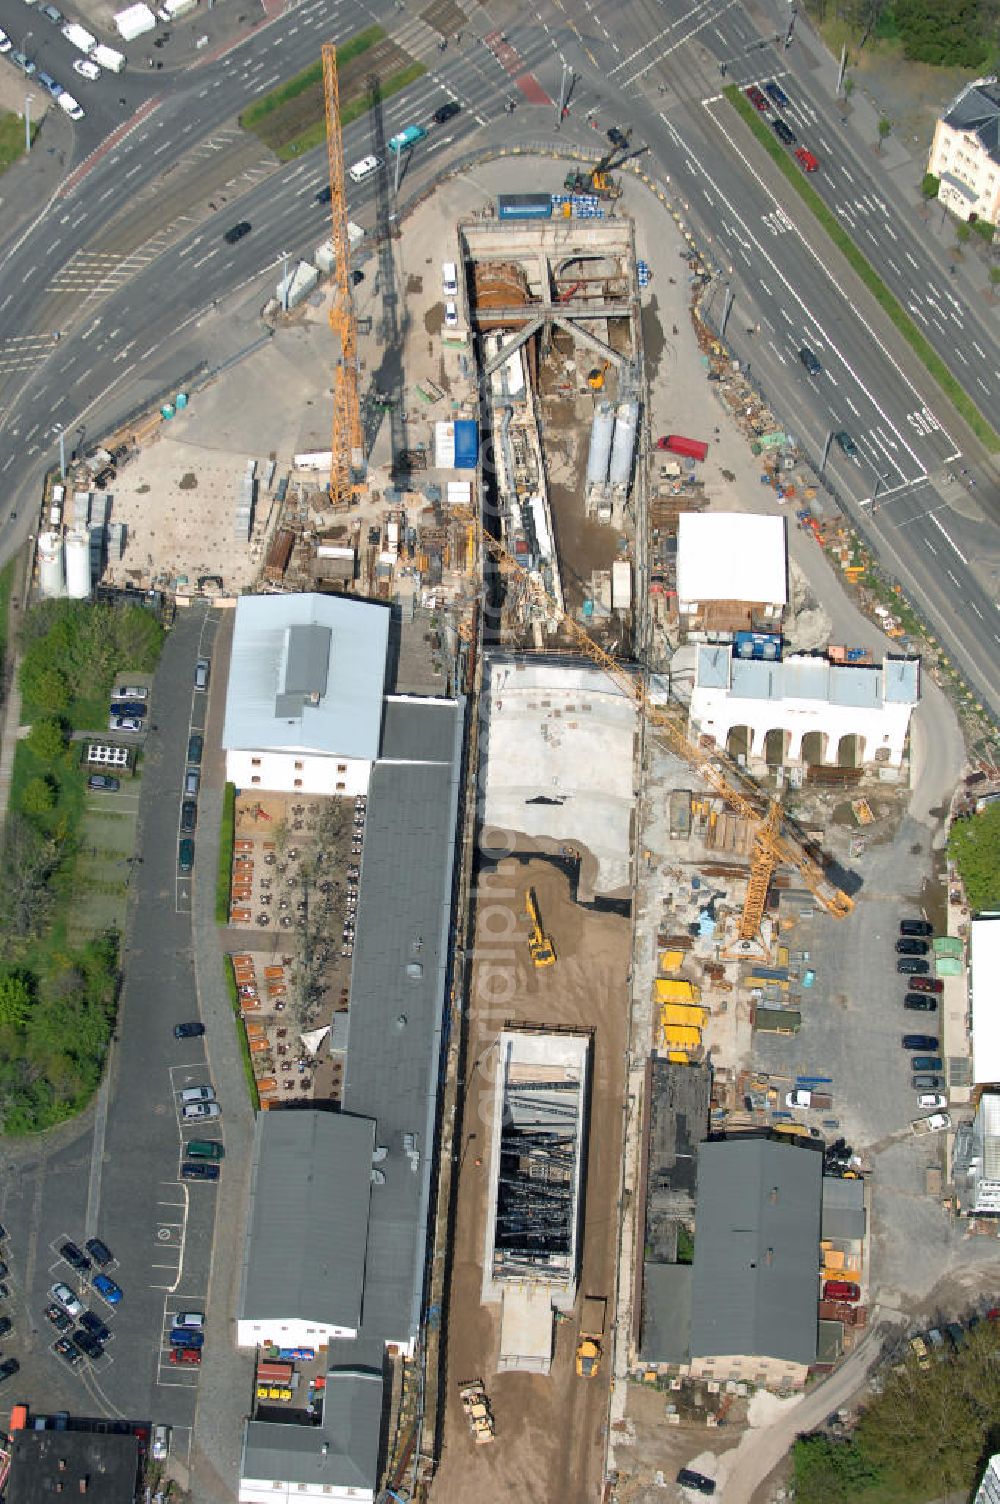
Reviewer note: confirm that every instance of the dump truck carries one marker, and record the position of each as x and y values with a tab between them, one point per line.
936	1123
476	1405
540	947
590	1347
679	443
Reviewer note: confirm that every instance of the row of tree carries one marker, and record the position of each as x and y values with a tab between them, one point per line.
945	33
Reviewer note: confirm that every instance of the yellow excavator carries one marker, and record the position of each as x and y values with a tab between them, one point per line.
595	379
540	947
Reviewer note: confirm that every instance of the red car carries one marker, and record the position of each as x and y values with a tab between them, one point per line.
841	1289
185	1355
806	158
756	98
925	984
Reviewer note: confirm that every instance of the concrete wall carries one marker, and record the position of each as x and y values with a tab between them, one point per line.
882	730
293	1332
297	772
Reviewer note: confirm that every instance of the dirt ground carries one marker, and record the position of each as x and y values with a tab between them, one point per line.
550	1430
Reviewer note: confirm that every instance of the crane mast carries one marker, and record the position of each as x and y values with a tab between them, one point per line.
347	446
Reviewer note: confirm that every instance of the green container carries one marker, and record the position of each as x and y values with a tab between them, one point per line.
948	966
948	945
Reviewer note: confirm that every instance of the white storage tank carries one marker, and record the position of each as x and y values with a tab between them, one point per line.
51	582
626	423
77	566
600	444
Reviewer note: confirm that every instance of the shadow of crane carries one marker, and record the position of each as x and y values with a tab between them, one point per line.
384	395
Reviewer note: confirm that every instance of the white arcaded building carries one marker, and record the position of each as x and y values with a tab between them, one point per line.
837	714
304	702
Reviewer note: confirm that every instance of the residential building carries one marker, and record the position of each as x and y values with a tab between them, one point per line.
732	573
989	1489
965	152
803	709
304	700
99	1465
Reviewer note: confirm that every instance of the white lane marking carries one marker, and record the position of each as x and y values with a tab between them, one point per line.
947	537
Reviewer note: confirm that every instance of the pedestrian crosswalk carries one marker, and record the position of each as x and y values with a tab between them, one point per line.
95	273
22	352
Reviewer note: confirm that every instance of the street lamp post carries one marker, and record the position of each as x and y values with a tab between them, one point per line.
397	166
27	121
62	451
284	281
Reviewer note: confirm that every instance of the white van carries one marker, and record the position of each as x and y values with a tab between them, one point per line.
449	278
363	169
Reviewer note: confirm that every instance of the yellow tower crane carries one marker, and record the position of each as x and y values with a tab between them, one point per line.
775	839
347	458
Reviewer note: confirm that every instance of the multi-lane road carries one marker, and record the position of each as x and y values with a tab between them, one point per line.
100	291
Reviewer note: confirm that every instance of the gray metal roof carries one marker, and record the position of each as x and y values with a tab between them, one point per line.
667	1290
343	1452
306	674
713	667
843	1208
417	730
304	1258
902	680
802	677
976	110
397	1003
756	1258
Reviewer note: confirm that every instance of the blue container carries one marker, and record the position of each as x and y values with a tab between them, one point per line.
182	401
466	443
524	206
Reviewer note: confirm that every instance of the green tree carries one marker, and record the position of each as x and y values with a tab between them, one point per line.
38	798
884	129
974	847
831	1472
963	232
929	185
949	33
43	684
47	739
15	1000
994	275
848	86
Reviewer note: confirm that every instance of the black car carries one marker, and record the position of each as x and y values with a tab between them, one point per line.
783	132
189	815
915	927
4	1270
188	1031
196	746
237	232
185	856
908	947
88	1344
912	966
447	112
58	1317
357	276
922	1082
99	1252
92	1323
192	1170
618	138
75	1256
68	1351
6	1326
128	707
846	443
776	93
324	195
9	1368
104	781
690	1479
810	361
920	1002
920	1042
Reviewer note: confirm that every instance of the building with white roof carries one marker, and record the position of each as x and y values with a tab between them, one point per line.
804	709
977	1161
304	702
984	973
731	572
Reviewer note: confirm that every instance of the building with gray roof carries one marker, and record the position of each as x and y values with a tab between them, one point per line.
340	1457
304	699
843	1219
834	713
756	1261
965	152
301	1290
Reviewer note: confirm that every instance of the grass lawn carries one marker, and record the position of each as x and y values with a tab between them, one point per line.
241	1033
6	588
889	303
12	138
227	836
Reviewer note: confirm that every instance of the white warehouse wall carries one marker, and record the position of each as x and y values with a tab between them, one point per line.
297	772
295	1332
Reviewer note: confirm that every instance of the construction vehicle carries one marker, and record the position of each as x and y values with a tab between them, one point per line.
595	378
776	839
476	1405
590	1347
540	947
598	180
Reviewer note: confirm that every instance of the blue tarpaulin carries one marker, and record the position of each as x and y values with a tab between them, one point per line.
466	443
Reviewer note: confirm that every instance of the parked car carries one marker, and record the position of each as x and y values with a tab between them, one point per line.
185	856
201	672
932	1099
189	815
925	984
86	68
8	1368
193	1319
910	947
64	1297
99	1252
104	782
124	723
134	708
700	1482
756	98
182	1336
927	1063
193	1030
912	966
51	14
841	1289
58	1317
196	745
49	84
160	1443
107	1289
199	1112
68	1351
921	1002
5	42
920	1042
197	1094
131	692
185	1355
924	1082
205	1148
6	1326
93	1324
25	64
88	1344
915	927
199	1171
75	1256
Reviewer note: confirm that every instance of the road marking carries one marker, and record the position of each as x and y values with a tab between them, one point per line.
948	538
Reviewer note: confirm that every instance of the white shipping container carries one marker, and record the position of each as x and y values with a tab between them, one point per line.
621	585
134	22
444	445
313	459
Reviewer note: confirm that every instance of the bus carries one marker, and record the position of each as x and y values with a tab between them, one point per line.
406	138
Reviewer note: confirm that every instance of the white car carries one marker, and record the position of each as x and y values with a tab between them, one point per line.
932	1099
197	1094
63	1296
193	1320
86	69
5	42
197	1112
160	1445
119	722
364	169
75	112
450	316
